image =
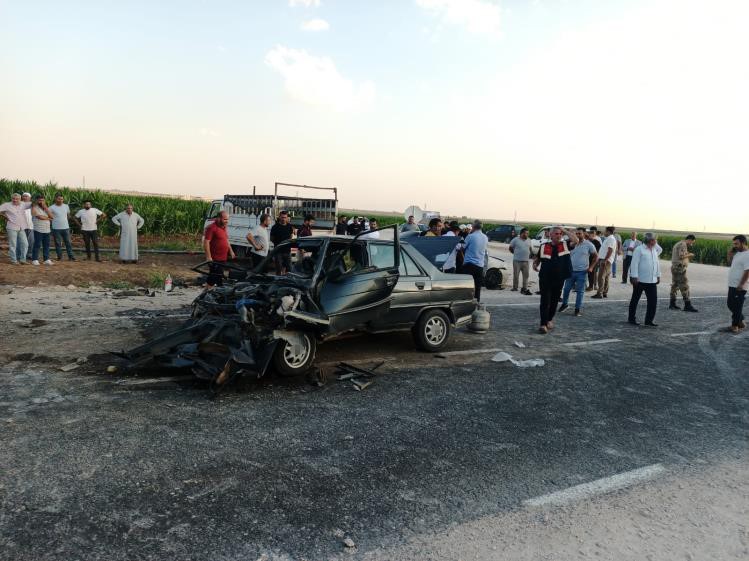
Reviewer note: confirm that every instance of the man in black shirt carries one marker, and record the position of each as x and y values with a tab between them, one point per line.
355	228
556	266
340	228
279	233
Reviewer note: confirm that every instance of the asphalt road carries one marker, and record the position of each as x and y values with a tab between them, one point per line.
91	469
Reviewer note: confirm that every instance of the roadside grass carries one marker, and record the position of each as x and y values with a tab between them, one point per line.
119	285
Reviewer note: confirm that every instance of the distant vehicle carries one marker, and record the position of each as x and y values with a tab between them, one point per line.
503	233
245	210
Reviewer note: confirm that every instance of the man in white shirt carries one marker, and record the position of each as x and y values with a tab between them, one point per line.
451	263
645	274
26	198
606	256
259	238
738	279
61	227
88	219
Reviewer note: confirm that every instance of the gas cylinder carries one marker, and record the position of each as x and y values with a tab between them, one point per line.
480	320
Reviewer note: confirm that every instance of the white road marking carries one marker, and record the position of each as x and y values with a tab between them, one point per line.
596	302
597	487
692	333
468	352
598	342
104	318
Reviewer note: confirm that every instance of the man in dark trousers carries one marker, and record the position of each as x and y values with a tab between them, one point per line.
340	228
645	274
281	231
555	267
217	249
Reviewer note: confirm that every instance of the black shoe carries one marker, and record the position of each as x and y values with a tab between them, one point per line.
624	282
651	324
71	258
633	322
514	290
598	296
673	306
689	308
578	312
538	292
605	295
526	292
562	308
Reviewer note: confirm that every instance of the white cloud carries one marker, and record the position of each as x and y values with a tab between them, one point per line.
477	16
316	80
305	3
316	24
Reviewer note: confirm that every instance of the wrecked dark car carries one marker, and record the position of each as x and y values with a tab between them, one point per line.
336	285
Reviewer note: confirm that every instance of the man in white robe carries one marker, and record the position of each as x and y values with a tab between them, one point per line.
129	222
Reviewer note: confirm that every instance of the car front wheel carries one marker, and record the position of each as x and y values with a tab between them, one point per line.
292	358
432	331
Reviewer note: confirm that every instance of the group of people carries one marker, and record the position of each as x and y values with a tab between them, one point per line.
31	224
566	260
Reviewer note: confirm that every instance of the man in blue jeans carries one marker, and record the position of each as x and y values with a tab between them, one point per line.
61	227
582	264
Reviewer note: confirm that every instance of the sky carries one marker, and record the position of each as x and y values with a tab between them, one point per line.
629	112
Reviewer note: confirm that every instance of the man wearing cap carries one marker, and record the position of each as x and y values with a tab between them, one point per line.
645	274
475	257
680	256
554	266
15	215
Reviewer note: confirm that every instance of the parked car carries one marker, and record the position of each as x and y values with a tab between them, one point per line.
336	285
503	233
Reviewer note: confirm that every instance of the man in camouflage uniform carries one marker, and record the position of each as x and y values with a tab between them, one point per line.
680	256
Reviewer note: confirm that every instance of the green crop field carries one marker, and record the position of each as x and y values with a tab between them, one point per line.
163	216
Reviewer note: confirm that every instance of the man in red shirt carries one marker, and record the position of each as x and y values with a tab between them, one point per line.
217	249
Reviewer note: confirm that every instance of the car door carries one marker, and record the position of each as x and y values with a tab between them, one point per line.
411	294
360	280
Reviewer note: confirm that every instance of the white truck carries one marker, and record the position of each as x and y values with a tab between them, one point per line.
245	211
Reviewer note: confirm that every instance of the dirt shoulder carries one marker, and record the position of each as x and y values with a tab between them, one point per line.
149	271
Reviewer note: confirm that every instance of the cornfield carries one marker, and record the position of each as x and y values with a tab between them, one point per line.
163	216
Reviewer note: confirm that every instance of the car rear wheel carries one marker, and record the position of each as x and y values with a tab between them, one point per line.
295	358
432	331
493	279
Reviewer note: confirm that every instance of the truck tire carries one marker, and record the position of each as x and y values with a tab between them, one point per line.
432	332
289	361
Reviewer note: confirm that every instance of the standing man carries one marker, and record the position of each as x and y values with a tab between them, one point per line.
411	225
61	227
88	218
129	222
306	230
628	248
15	214
618	253
475	256
556	267
217	249
645	274
26	198
451	263
340	228
372	233
521	249
593	275
281	231
680	256
42	221
584	258
259	238
738	279
354	228
606	256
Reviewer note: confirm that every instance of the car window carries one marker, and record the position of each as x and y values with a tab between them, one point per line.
408	267
381	255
